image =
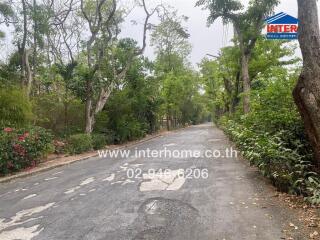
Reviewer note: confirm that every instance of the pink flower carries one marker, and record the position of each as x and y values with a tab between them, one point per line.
8	129
19	149
21	138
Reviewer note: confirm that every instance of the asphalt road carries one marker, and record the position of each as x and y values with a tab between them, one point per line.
121	198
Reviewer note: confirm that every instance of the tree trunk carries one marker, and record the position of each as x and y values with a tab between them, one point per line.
29	78
168	122
89	117
35	32
307	91
246	82
22	46
235	96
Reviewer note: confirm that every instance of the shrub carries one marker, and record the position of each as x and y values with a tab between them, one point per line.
79	143
272	137
63	116
15	108
22	148
286	163
59	146
99	141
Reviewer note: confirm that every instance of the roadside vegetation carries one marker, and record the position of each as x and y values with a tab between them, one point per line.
250	85
72	84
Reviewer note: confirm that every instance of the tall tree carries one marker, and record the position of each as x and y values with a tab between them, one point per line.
247	24
102	19
307	91
31	25
170	40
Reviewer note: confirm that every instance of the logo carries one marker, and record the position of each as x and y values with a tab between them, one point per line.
282	26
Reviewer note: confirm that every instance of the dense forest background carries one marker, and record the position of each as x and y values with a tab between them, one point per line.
72	85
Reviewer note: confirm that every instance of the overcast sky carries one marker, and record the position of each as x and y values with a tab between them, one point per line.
203	39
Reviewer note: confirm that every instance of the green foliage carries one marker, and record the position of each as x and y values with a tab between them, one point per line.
15	108
123	120
21	148
131	111
60	113
275	158
99	141
272	138
170	37
79	143
182	99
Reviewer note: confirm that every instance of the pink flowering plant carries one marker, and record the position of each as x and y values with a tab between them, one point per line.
22	148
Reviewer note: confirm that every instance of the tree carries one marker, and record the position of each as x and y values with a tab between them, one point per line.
170	40
102	20
221	75
247	24
307	91
30	24
6	15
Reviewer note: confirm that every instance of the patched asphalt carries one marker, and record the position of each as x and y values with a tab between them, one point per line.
95	199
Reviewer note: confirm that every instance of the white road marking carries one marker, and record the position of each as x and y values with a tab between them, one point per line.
110	178
49	179
153	185
16	220
53	174
21	233
127	182
171	181
176	184
20	189
87	181
137	165
151	207
84	182
30	196
169	144
116	182
71	190
124	168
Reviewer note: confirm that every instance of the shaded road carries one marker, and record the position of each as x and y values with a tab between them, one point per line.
96	199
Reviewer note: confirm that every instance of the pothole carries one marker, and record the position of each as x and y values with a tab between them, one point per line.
161	218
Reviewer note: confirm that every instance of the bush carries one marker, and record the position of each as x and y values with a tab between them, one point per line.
59	147
99	141
22	148
15	108
272	137
61	115
79	143
286	163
